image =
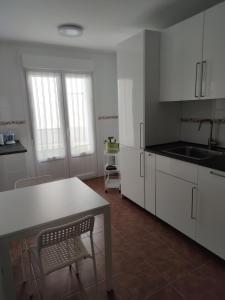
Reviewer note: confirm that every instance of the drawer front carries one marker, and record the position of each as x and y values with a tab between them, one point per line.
180	169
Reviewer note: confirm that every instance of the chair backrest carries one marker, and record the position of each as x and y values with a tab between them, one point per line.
55	235
24	182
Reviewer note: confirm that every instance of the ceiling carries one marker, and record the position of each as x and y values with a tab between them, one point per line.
106	22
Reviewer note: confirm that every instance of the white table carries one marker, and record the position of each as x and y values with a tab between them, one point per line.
25	211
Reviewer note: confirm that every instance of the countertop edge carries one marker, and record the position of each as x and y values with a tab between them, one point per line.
217	163
12	149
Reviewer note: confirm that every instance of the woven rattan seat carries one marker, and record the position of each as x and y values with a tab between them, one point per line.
62	254
61	246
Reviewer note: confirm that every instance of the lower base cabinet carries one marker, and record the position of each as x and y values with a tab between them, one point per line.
188	197
150	163
132	174
176	202
210	224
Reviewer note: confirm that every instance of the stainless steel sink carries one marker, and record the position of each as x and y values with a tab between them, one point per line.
193	152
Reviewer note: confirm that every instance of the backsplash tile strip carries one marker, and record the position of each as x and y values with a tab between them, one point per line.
107	117
6	123
197	120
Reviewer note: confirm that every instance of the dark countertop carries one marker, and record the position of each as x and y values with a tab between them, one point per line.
216	163
12	149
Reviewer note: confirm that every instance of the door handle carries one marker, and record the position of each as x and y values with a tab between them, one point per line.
141	129
217	174
198	64
203	78
192	203
141	157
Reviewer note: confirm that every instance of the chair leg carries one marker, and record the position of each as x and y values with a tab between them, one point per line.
40	289
77	268
95	270
43	291
94	260
24	251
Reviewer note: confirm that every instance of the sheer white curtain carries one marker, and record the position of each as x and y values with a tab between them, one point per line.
46	106
80	113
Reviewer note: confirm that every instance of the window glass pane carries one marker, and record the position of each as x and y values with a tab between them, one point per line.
80	113
47	123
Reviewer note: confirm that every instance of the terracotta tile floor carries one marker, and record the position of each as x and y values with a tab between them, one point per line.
151	261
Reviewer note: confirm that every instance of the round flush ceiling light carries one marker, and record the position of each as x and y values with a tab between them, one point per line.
70	30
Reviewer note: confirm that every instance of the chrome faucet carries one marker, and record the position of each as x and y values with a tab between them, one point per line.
211	141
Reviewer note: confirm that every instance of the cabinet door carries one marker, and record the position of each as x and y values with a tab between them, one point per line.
180	60
130	69
150	162
176	202
214	53
132	174
211	209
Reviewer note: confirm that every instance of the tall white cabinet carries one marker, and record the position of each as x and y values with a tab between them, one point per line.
132	174
130	63
131	103
142	120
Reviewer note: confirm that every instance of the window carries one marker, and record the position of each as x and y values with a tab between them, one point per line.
46	115
80	113
50	120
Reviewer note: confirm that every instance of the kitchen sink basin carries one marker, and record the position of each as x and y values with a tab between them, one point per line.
193	152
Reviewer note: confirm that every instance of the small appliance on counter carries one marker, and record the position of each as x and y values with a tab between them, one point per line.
2	139
111	145
8	138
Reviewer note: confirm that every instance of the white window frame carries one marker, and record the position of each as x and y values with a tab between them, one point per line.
65	120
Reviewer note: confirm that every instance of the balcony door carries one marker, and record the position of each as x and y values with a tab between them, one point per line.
62	119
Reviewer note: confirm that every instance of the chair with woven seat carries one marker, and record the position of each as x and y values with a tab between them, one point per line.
21	183
61	246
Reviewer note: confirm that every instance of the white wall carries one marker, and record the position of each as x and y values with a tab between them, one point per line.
13	95
203	109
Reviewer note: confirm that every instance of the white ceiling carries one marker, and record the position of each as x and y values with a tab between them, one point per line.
106	22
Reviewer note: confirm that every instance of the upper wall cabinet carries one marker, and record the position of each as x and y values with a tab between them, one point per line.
214	53
180	60
193	58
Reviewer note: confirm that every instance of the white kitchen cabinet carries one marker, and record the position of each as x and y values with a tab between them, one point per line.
140	111
130	70
132	174
211	210
180	60
214	53
150	162
177	168
192	57
12	168
176	202
139	108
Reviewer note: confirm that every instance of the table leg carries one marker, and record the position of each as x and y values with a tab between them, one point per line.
7	285
108	248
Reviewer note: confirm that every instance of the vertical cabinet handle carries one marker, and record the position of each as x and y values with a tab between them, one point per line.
203	79
217	174
141	135
192	203
141	164
198	64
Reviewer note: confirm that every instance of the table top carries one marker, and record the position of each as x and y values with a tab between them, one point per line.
35	206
